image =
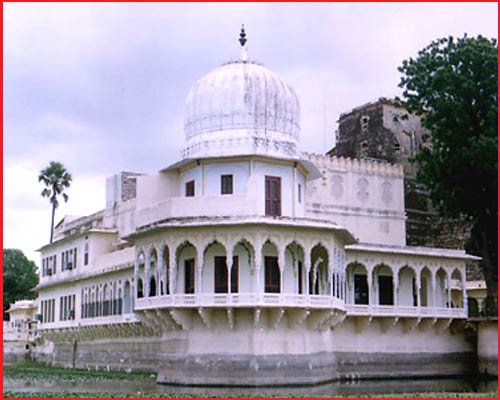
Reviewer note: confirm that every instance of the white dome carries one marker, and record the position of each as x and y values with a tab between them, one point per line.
241	108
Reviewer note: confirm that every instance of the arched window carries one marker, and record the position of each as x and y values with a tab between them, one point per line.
140	289
152	287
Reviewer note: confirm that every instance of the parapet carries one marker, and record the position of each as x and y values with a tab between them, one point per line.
368	166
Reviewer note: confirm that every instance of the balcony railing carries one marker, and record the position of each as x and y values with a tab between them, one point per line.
239	300
404	311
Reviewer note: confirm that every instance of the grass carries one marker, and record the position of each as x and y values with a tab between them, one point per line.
32	372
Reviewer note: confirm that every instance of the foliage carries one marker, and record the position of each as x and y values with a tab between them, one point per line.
56	179
453	84
19	277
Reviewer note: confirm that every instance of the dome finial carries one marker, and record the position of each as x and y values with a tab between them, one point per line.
243	35
243	40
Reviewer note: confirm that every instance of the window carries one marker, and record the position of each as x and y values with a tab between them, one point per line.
152	287
189	276
86	251
364	122
220	275
190	189
299	193
360	289
273	196
300	277
386	291
226	184
140	289
272	275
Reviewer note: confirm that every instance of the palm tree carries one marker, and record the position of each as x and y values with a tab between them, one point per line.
56	179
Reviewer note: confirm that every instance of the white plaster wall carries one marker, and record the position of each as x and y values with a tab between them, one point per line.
212	177
188	175
154	188
374	338
69	288
364	196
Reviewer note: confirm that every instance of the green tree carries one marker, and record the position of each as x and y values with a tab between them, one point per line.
19	277
452	83
56	179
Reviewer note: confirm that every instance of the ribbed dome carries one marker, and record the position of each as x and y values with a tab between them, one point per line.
241	108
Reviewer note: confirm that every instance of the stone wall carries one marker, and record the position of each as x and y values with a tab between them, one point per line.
381	130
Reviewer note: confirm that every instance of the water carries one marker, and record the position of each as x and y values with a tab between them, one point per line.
326	390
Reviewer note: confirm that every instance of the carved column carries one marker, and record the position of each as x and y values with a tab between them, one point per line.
448	283
136	274
229	264
258	244
464	291
417	287
372	286
281	265
172	273
331	266
395	283
433	284
198	269
146	273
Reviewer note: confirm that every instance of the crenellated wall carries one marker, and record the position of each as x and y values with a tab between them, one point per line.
365	196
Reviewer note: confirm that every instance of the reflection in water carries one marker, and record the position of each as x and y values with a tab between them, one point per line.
326	390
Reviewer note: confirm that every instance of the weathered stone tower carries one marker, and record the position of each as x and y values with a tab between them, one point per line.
384	131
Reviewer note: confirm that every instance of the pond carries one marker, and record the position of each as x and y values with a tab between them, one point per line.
337	389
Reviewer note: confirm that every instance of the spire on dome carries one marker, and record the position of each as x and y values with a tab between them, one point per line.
243	40
243	35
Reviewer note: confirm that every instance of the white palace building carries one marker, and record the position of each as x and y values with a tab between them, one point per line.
249	262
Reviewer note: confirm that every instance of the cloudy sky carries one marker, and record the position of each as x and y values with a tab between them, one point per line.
101	87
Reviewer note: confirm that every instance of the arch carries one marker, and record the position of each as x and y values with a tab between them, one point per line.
407	286
271	270
141	270
92	302
243	267
214	275
186	255
295	273
127	304
440	288
457	290
113	301
105	304
165	255
426	287
383	277
140	288
152	286
120	302
319	282
357	275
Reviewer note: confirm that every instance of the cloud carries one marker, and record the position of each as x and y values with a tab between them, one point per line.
101	86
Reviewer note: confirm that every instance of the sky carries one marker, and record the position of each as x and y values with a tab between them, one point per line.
100	87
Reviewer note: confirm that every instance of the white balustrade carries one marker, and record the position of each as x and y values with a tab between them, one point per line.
239	300
404	311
